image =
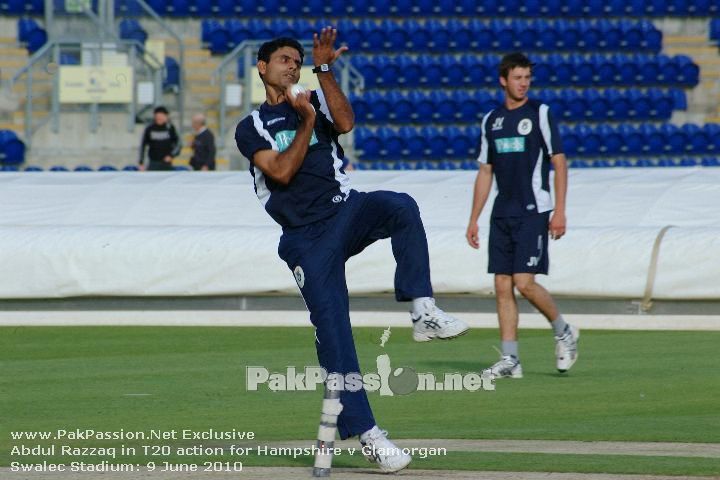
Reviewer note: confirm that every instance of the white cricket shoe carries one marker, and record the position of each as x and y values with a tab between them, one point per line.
508	367
434	323
566	351
378	449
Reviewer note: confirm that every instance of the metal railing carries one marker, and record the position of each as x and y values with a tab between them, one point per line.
48	56
350	80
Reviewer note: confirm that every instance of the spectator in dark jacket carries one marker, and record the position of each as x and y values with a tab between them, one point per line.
203	145
161	140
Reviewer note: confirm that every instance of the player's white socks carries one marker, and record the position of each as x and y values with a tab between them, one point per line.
422	305
559	326
510	347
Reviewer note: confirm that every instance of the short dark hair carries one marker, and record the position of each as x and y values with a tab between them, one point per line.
161	109
270	47
514	60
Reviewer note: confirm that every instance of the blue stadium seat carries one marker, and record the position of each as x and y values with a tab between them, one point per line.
633	139
416	145
398	39
597	104
437	144
655	140
373	36
107	168
59	168
469	165
461	37
130	168
9	168
697	140
619	106
378	107
446	110
202	8
459	142
612	140
440	36
570	139
410	70
181	168
401	108
172	73
368	143
423	107
712	130
425	165
447	165
360	107
350	34
589	35
675	138
82	168
179	8
391	143
380	166
402	165
12	149
33	168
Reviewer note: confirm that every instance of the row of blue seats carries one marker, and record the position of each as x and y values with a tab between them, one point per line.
469	107
12	149
81	168
550	70
583	140
589	163
454	34
404	8
31	34
442	8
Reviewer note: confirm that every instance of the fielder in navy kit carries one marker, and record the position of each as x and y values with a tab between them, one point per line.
296	162
518	142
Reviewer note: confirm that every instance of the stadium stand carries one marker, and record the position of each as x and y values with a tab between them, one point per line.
430	69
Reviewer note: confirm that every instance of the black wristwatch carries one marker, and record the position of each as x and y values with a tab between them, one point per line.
321	68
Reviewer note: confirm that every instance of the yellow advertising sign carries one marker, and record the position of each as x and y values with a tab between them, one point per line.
307	79
96	84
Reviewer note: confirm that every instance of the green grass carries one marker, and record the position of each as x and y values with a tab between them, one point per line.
627	386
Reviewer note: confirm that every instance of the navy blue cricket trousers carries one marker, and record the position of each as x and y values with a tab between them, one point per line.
317	253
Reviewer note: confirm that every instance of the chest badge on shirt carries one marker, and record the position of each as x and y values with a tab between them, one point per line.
498	124
525	126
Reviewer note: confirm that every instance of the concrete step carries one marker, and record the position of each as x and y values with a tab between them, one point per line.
18	129
13	52
203	88
685	39
8	63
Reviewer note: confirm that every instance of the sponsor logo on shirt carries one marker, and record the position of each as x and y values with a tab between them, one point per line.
275	120
159	135
337	199
498	125
525	126
284	138
510	145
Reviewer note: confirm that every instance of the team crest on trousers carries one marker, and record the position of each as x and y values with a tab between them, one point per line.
299	276
525	126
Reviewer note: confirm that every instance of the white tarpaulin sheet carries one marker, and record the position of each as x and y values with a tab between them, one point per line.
176	234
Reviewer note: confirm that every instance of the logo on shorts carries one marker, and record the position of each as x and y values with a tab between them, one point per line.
535	261
337	199
525	126
299	276
498	124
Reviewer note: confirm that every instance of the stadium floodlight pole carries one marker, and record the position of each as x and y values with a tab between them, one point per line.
331	408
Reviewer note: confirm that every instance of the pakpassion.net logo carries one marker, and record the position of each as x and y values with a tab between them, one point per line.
400	381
